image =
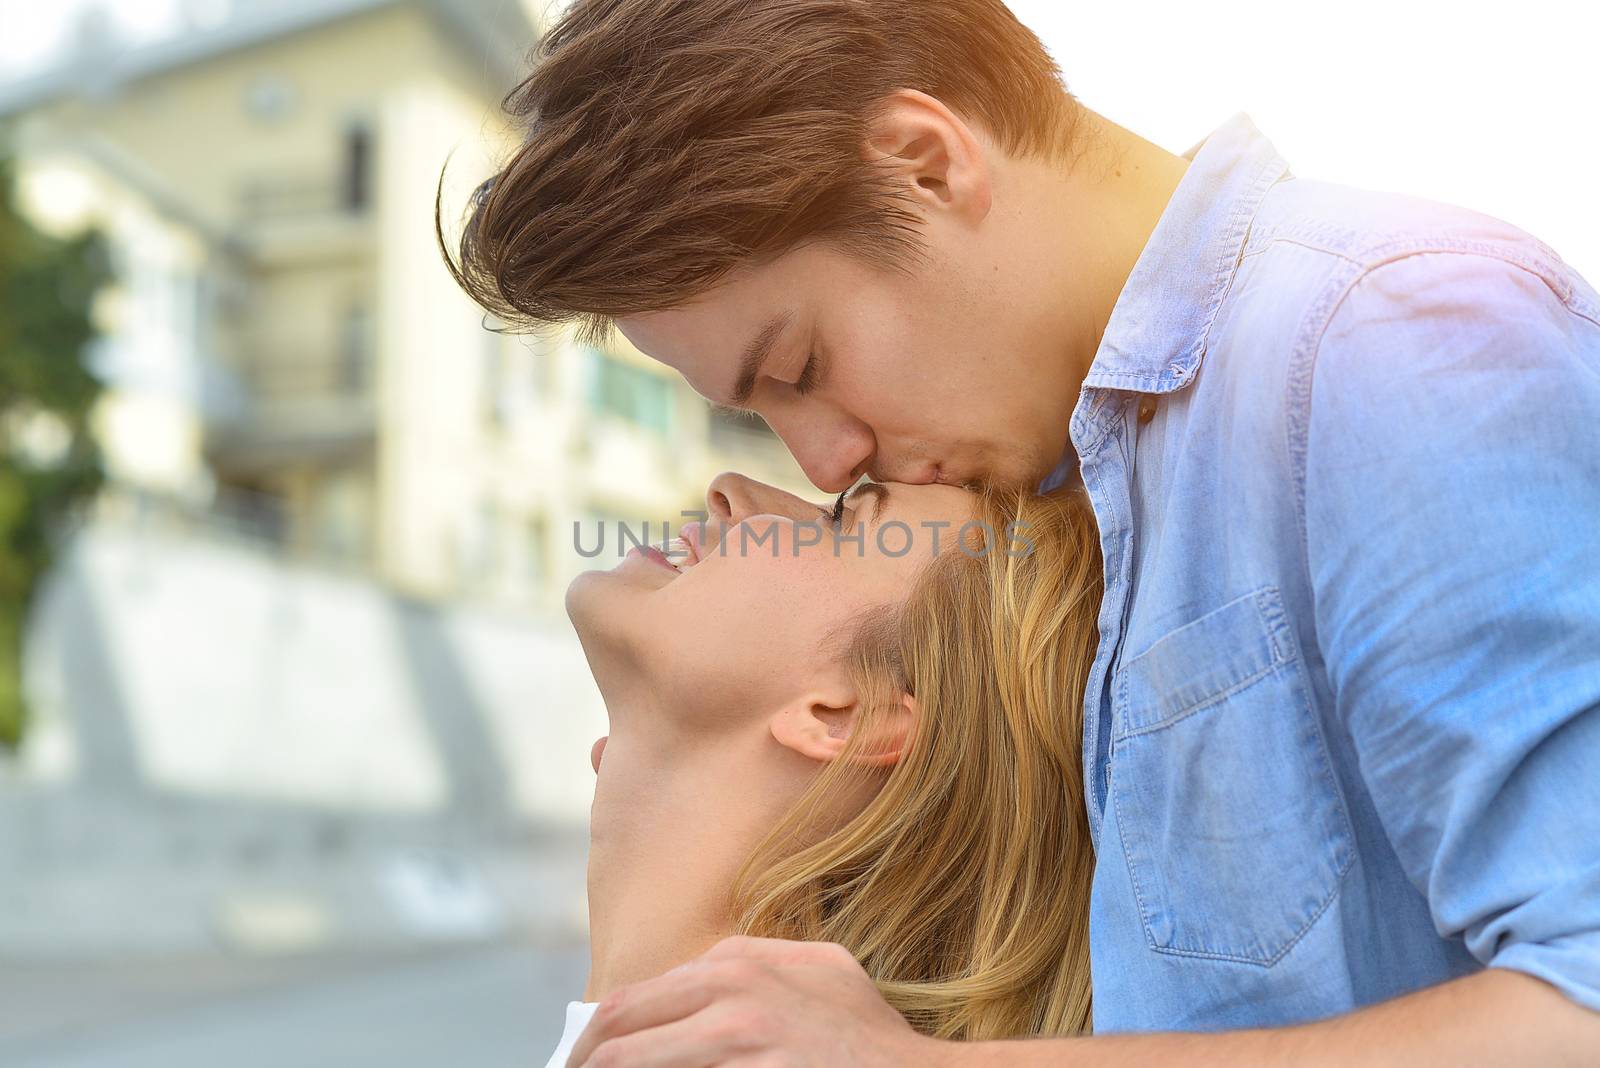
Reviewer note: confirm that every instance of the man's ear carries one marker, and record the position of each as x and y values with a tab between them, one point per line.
934	156
819	726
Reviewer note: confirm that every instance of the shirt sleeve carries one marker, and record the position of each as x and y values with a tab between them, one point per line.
1452	523
579	1013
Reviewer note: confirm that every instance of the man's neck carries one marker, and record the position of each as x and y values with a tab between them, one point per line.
1099	211
669	830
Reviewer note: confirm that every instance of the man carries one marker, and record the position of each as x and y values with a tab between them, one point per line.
1342	745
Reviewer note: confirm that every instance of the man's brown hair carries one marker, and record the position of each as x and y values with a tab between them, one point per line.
666	142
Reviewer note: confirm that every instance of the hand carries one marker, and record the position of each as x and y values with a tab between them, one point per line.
750	1002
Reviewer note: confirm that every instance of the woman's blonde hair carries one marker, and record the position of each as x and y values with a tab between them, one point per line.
963	886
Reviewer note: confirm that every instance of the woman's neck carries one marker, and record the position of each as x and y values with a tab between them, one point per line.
670	827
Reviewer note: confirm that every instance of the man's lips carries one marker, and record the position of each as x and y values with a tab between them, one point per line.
928	474
595	751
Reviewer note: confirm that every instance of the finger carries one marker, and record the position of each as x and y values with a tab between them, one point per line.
723	969
700	1040
780	952
651	1003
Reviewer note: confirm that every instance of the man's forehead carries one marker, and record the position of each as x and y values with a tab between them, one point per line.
669	338
714	342
653	334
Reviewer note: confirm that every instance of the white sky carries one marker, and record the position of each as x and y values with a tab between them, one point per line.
1492	105
1495	106
31	30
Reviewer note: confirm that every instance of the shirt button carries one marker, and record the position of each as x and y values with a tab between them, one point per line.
1147	410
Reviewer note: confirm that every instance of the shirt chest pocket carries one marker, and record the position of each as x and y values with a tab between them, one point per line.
1234	829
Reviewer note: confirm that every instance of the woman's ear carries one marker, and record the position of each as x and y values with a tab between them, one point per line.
934	156
819	726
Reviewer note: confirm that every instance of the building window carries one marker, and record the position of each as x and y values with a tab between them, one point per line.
478	547
357	186
492	377
630	393
355	349
515	372
540	349
536	567
269	98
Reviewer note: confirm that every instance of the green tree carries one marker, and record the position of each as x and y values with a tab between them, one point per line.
48	459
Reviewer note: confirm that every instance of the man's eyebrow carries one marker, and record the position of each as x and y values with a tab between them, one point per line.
755	354
880	495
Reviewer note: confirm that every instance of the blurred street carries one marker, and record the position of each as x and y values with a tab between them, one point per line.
277	897
294	729
490	1006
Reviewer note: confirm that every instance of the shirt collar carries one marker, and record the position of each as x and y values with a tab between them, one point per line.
1157	333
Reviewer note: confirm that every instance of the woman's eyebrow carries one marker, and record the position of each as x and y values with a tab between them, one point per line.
880	494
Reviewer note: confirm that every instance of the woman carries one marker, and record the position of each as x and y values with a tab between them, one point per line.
846	725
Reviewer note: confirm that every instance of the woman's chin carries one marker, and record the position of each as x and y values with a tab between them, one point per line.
595	597
597	606
580	592
614	605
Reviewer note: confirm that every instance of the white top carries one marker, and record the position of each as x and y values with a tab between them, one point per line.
578	1014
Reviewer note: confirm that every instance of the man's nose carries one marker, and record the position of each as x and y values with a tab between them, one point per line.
833	452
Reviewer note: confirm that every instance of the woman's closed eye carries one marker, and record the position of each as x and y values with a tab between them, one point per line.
835	515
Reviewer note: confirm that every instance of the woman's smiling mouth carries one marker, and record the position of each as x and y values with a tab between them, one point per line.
654	555
688	541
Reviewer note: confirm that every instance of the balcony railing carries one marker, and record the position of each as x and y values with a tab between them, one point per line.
289	379
289	409
268	199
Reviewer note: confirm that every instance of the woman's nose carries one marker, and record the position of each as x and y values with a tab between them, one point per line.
728	497
733	498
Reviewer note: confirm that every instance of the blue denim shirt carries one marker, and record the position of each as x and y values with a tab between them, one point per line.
1342	735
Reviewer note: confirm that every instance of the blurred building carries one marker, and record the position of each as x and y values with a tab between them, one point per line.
288	356
303	679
